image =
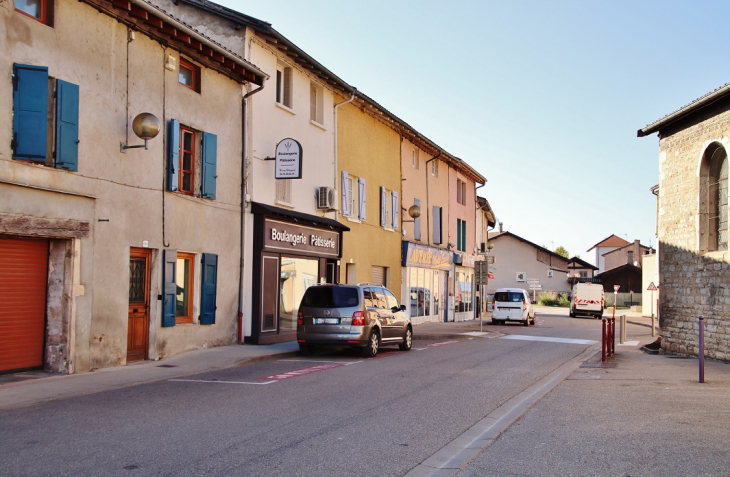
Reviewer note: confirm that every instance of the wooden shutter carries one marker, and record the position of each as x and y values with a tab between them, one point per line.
458	234
67	126
417	222
173	155
382	206
169	287
345	195
210	153
463	235
208	288
288	87
436	225
23	283
361	189
30	112
396	209
312	102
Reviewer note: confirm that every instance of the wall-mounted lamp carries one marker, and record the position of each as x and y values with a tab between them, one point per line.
414	211
449	246
146	126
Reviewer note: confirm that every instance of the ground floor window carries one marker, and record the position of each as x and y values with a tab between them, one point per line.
464	287
297	274
184	272
425	291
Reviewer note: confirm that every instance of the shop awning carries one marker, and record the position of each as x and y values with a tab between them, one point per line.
299	217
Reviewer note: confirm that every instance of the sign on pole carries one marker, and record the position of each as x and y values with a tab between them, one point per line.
651	287
288	159
615	288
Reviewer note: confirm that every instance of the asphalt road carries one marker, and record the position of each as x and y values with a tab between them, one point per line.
334	413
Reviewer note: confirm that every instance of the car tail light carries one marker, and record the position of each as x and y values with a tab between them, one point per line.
358	318
492	304
300	319
524	305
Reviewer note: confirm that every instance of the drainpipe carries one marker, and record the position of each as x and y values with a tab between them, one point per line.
428	221
352	98
244	188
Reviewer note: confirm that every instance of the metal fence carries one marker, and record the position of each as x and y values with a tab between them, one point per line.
623	299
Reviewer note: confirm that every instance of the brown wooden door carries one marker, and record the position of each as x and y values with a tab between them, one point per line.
270	279
23	284
138	330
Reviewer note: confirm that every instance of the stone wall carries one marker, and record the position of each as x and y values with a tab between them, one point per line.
692	283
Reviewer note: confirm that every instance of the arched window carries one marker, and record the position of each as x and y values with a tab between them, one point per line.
713	199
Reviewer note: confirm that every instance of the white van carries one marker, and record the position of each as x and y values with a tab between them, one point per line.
512	304
587	300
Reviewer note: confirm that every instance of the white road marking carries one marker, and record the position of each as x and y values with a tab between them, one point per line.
319	361
220	382
548	339
475	333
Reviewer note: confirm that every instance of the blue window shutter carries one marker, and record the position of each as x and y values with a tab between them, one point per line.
417	222
208	288
173	156
361	185
210	152
67	126
396	209
169	287
382	206
30	112
463	235
436	224
458	234
345	195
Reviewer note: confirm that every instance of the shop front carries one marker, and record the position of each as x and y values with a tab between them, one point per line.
292	251
464	287
426	282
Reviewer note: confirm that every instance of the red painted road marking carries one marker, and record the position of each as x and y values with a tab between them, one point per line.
304	371
443	343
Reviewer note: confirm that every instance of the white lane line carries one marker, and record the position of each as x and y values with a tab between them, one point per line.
318	361
260	383
548	339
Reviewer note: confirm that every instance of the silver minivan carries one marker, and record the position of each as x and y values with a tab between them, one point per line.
363	316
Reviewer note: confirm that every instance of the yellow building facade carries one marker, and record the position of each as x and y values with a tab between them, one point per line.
369	191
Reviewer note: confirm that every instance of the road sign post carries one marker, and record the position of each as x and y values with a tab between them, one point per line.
615	298
651	288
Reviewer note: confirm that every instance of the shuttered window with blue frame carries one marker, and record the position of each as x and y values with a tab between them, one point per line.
208	287
67	126
209	160
169	287
30	112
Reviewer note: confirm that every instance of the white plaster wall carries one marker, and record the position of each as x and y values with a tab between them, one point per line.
649	274
513	256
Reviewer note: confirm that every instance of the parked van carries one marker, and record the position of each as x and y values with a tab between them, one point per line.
512	304
587	300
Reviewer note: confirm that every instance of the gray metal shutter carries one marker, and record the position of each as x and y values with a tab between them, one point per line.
378	275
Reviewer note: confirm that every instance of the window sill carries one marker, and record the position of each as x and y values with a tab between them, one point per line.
723	256
350	219
316	124
288	205
286	108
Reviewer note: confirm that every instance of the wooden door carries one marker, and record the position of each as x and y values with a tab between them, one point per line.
138	330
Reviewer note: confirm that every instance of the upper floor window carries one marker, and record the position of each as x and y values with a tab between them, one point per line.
714	199
51	139
41	10
189	75
461	235
460	192
192	161
416	164
389	208
353	196
435	168
284	85
316	103
283	191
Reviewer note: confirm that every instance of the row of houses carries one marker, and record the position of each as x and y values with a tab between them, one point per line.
175	174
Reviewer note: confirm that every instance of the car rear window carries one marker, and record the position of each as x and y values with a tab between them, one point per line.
508	296
330	297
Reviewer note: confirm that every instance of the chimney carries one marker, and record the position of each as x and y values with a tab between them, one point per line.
500	227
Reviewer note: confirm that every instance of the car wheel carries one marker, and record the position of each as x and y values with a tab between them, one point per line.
407	340
533	319
571	313
527	321
371	350
305	349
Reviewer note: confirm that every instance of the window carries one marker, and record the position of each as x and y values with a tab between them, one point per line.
415	159
184	291
389	207
189	75
178	280
41	10
437	225
461	235
714	200
284	86
353	196
192	168
463	193
435	168
283	191
458	191
32	123
316	103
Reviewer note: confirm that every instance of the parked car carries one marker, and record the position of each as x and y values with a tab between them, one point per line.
362	316
512	304
587	299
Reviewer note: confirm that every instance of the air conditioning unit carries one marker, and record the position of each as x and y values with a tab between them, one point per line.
326	198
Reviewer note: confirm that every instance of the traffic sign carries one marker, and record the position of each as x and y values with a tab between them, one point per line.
535	287
651	287
615	288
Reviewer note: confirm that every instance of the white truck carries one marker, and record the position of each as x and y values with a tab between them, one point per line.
587	300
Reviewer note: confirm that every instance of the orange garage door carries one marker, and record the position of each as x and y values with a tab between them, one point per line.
23	279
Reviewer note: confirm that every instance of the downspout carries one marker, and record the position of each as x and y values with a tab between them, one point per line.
244	179
352	98
428	221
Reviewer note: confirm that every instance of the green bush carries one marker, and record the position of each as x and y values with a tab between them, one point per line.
553	299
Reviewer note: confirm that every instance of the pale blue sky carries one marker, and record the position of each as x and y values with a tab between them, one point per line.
543	98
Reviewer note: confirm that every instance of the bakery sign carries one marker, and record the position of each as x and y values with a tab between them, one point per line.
286	237
288	159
